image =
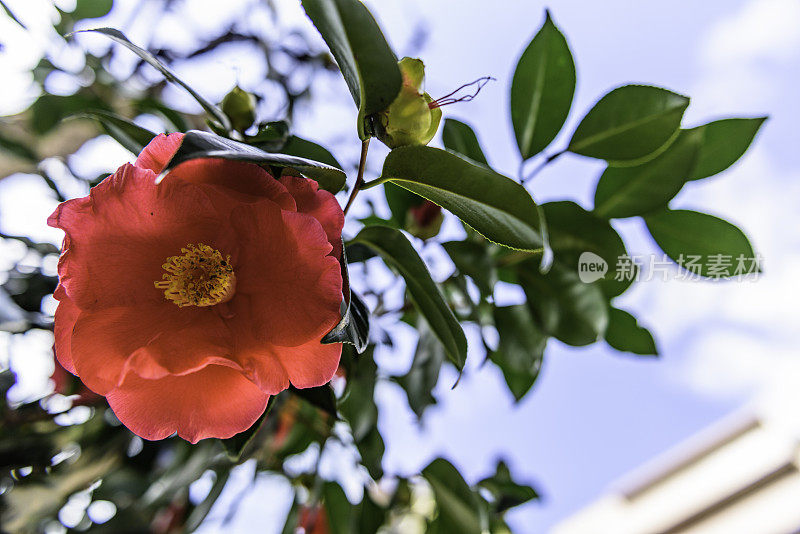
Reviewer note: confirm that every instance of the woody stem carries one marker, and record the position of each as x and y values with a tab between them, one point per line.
360	178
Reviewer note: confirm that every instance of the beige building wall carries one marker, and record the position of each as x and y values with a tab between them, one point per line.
740	476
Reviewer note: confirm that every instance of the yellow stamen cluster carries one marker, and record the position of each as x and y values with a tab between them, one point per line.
200	276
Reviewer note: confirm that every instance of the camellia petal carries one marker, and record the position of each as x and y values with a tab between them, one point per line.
320	204
293	285
158	152
310	365
215	401
64	322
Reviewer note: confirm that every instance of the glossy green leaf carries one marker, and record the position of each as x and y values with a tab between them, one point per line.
542	90
423	375
521	350
472	259
151	60
626	335
495	206
641	189
629	123
398	253
574	231
367	62
353	328
506	493
565	307
321	397
459	137
682	234
297	146
724	142
456	502
197	144
124	131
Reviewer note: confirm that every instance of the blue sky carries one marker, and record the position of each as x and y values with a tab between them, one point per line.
594	414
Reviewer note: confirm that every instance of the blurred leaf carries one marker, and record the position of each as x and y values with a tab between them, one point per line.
566	308
292	518
495	206
630	191
154	106
683	233
11	15
542	90
573	231
91	9
48	110
151	60
398	253
367	62
724	142
235	446
200	512
358	407
338	509
473	259
521	350
629	123
371	515
456	502
459	137
321	397
423	375
626	335
506	492
297	146
128	134
197	144
17	148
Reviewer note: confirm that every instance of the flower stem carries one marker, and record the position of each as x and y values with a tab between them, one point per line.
360	178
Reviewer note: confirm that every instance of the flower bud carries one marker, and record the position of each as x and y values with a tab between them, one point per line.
240	107
424	220
409	120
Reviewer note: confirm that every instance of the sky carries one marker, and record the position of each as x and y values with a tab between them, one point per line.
594	414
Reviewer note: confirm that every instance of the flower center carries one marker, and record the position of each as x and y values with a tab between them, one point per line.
200	276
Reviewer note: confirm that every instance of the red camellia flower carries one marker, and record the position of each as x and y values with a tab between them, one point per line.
188	303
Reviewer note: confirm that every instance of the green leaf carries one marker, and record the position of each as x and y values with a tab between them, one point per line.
367	62
724	142
297	146
565	307
473	259
174	118
321	397
497	207
371	515
358	407
456	502
124	131
542	90
150	59
459	137
49	110
11	15
197	144
573	231
236	445
521	350
397	252
423	375
353	328
630	191
91	9
683	234
629	123
17	148
338	509
505	491
626	335
400	202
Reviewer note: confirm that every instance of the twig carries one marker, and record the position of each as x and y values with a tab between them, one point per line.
360	178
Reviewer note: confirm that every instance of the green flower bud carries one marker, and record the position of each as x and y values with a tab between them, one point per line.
240	107
409	120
